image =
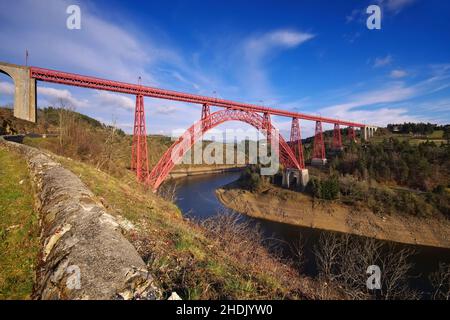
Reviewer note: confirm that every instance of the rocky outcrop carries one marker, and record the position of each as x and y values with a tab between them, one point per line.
84	254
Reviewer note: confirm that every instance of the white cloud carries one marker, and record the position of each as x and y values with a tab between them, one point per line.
6	88
397	74
100	48
353	15
383	61
164	109
113	100
258	47
58	96
258	50
392	94
395	6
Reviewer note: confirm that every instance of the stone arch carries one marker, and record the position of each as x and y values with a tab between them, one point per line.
24	91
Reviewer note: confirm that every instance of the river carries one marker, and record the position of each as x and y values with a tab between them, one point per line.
197	200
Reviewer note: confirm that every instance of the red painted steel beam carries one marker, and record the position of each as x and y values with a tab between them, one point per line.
72	79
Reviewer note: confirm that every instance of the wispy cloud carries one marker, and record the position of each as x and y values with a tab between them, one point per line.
258	50
382	61
392	93
113	100
60	96
397	74
382	106
100	48
395	6
258	47
354	15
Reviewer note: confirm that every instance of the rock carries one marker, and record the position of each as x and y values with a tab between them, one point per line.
139	286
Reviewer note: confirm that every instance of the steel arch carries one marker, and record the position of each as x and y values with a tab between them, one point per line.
176	152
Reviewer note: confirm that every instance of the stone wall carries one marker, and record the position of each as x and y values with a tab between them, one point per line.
84	254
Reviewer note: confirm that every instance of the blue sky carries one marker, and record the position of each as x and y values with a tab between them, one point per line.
315	57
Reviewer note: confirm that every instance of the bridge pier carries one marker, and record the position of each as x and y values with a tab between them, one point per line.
369	132
24	91
301	177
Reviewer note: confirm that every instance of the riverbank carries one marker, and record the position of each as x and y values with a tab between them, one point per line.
294	208
182	172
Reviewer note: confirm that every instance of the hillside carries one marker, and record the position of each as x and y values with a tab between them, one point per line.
391	187
86	139
196	261
199	261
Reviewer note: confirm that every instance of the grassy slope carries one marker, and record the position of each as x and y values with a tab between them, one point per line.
180	254
19	229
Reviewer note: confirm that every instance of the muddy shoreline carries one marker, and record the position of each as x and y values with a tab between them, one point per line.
285	206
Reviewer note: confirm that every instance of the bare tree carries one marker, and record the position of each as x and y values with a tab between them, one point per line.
298	253
342	261
440	281
168	191
109	147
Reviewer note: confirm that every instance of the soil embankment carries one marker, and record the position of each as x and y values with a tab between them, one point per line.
295	208
180	172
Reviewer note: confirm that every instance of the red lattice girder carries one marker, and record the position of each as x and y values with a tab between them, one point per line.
176	152
73	79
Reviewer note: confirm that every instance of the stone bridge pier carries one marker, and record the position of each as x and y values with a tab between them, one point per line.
369	131
24	91
301	177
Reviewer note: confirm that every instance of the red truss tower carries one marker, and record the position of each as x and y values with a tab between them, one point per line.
337	138
296	142
319	146
139	153
351	134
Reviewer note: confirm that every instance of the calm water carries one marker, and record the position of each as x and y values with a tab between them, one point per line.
196	199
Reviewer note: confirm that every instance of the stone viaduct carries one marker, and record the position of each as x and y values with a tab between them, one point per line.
24	91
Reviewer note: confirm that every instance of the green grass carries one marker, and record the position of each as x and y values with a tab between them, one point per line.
437	134
19	229
436	137
181	256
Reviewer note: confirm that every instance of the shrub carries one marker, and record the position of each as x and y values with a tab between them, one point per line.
324	189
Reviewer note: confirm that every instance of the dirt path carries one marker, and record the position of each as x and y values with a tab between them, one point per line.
298	209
